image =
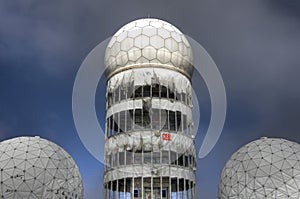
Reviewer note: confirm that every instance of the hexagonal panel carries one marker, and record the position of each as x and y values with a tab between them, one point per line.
134	54
126	44
112	41
182	48
155	61
115	49
122	36
149	31
142	23
142	60
171	45
129	26
156	41
122	58
186	61
176	59
119	31
176	36
156	24
149	52
141	41
168	27
163	33
134	32
111	61
164	55
185	41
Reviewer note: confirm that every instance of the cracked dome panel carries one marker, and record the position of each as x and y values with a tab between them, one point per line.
266	168
32	167
149	41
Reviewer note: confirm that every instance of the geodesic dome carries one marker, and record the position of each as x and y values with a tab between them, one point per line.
32	167
149	42
265	168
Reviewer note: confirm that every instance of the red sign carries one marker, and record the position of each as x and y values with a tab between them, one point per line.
166	136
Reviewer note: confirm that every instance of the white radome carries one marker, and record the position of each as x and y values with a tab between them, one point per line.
149	40
267	168
34	168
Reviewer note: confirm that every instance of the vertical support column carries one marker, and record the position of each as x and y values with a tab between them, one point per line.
161	180
184	189
124	186
132	184
142	188
117	189
170	182
170	185
177	186
151	186
110	190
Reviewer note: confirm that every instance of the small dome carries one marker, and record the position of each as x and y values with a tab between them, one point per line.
265	168
32	167
149	42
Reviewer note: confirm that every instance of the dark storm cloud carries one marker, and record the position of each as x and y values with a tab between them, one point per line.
255	44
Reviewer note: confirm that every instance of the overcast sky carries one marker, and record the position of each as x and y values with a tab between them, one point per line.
256	45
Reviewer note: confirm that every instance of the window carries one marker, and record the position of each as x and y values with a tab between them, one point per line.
171	94
183	99
186	161
146	118
165	157
156	158
172	120
116	121
146	90
180	160
173	158
122	121
117	94
174	188
109	99
129	157
128	188
178	96
138	158
111	122
155	119
164	92
187	188
147	157
113	159
181	188
107	127
136	193
122	93
155	90
130	91
129	120
165	119
138	117
178	120
164	193
184	123
107	160
114	188
121	158
138	91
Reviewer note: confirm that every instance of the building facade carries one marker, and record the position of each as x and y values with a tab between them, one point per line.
149	147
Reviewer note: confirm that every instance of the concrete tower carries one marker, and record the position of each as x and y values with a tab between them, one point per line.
149	147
